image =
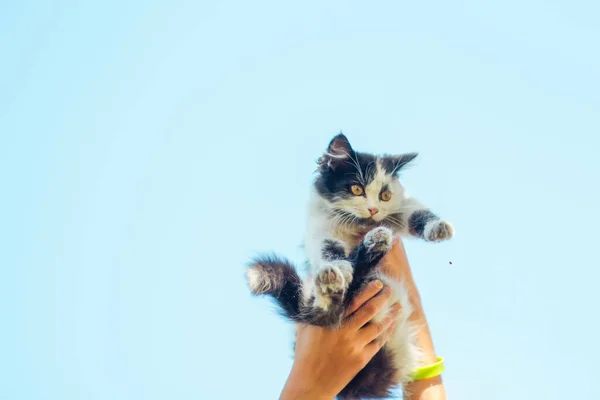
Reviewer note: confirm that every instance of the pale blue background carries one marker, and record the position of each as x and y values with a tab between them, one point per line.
148	149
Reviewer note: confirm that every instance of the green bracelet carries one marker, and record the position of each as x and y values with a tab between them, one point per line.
428	371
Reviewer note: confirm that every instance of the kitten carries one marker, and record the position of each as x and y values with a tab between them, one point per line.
357	206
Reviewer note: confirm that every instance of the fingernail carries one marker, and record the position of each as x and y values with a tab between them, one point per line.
378	284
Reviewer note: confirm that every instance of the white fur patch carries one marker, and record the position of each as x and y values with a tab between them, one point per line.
430	226
308	286
322	301
256	281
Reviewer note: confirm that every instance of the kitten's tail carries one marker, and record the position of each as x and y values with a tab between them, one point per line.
276	276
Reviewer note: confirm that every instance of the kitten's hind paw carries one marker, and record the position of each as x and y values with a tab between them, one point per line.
438	230
334	276
379	239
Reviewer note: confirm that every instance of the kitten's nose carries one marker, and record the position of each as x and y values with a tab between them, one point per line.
373	211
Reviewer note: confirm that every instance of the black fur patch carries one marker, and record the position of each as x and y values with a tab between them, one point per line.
364	262
335	180
333	250
374	381
393	164
418	220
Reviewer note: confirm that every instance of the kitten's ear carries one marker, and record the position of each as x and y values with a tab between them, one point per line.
338	151
340	146
393	164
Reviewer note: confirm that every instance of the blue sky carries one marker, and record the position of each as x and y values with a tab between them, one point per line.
148	149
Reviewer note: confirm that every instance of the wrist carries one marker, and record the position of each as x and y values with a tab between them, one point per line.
303	385
432	388
424	340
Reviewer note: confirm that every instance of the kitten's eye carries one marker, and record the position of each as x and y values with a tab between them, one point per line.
357	190
386	196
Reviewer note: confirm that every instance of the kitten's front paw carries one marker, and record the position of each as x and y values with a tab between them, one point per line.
334	276
438	230
379	239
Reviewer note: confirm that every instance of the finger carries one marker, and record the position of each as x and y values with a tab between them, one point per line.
373	330
372	348
361	298
368	310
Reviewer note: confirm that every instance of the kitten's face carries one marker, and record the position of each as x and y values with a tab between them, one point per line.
361	187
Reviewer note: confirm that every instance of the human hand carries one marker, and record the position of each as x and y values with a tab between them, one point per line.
328	358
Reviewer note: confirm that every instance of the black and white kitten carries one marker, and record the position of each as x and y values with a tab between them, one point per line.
357	206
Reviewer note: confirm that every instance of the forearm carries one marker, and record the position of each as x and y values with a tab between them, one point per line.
296	388
429	389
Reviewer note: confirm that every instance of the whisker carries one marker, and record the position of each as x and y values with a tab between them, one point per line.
394	220
357	166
